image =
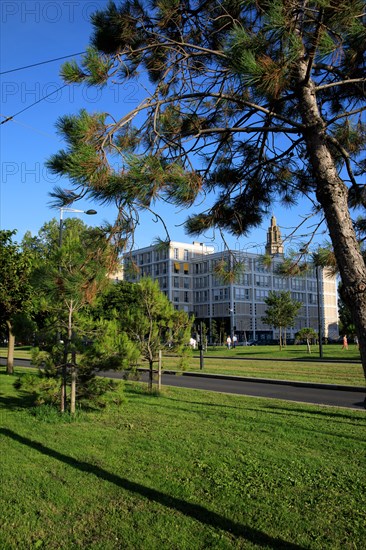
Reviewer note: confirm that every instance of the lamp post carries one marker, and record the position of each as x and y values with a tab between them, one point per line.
66	345
74	210
320	316
305	251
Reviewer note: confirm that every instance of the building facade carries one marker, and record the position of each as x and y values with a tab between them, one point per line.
188	274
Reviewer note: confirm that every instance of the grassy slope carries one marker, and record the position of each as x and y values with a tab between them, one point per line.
186	470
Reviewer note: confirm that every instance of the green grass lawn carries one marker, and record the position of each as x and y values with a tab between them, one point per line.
292	363
185	470
345	373
331	352
21	352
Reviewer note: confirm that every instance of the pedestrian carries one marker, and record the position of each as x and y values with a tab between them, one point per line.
235	341
228	342
356	342
345	342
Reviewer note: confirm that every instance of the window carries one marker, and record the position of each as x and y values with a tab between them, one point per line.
241	293
261	294
312	286
186	297
259	267
176	267
220	294
186	268
280	283
312	299
186	255
176	253
298	284
176	282
244	279
299	297
262	280
186	282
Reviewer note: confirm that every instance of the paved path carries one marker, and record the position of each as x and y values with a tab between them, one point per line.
322	394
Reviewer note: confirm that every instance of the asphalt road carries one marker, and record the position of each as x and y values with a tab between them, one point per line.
321	394
289	391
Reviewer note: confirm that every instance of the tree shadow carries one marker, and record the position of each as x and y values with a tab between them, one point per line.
326	412
24	401
195	511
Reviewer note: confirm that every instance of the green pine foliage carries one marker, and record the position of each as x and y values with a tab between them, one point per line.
248	103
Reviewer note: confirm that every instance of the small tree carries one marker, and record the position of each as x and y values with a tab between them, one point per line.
214	333
153	324
281	312
307	334
69	276
15	291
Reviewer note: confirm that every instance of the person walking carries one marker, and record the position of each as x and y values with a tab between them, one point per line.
228	342
235	341
345	342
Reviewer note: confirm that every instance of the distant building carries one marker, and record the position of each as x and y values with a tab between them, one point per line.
187	274
274	241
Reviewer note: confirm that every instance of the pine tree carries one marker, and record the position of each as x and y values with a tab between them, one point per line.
249	102
281	312
68	274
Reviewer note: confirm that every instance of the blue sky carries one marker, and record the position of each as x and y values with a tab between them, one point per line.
42	30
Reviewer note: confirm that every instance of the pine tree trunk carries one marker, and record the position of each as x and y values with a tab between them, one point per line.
159	370
151	372
73	390
332	194
63	390
308	345
11	345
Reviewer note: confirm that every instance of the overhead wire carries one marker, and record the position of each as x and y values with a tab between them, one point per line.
40	63
7	119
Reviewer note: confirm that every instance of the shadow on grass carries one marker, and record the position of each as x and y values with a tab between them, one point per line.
334	416
24	401
195	511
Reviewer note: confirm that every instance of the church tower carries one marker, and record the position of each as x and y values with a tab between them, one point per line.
274	241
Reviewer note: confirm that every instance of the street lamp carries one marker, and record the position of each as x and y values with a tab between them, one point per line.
320	317
64	372
232	313
305	251
74	210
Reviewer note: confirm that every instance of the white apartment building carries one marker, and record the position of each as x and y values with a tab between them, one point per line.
186	274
